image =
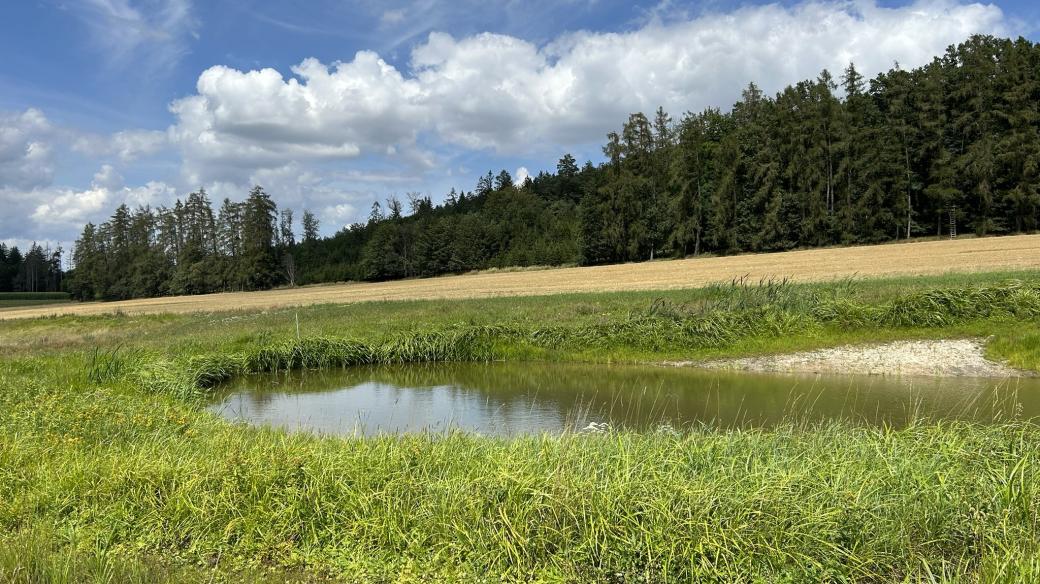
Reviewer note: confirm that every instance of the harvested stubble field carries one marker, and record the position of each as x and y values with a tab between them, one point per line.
914	258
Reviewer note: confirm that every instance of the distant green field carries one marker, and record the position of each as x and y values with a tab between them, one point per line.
21	299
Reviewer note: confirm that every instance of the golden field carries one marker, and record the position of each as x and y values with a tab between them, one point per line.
919	257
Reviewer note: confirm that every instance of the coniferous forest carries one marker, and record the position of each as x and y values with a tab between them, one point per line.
839	159
37	270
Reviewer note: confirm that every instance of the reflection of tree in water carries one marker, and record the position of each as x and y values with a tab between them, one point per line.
571	395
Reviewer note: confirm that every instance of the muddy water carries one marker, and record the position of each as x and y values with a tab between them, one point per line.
518	398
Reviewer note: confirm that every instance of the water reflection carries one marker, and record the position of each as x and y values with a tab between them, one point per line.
515	398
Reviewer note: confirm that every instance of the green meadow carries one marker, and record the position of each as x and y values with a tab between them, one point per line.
26	299
111	470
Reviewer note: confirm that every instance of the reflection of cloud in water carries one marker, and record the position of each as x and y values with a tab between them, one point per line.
515	398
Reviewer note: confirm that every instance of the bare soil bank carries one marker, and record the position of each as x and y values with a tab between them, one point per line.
942	358
923	257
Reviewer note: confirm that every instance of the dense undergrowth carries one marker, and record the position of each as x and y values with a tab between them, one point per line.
109	470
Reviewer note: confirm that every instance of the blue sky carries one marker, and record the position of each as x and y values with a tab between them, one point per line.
332	104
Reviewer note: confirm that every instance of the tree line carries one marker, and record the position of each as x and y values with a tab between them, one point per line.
952	145
189	249
37	270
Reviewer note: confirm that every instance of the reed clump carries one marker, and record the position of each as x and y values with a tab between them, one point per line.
195	374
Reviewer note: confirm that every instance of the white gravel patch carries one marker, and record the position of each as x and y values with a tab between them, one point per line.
942	358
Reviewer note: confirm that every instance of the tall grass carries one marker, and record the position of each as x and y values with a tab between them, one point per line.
727	315
110	364
113	475
939	307
137	475
36	557
32	559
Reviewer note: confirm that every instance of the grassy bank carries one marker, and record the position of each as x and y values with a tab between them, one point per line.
378	322
738	317
109	469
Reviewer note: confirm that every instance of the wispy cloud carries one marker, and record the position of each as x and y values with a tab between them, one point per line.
296	27
154	34
392	17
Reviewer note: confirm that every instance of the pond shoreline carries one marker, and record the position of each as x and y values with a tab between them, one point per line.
525	399
930	358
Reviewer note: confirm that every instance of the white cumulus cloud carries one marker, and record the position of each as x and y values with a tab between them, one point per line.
521	175
108	177
258	119
58	213
72	208
68	206
332	136
511	95
506	93
127	145
25	151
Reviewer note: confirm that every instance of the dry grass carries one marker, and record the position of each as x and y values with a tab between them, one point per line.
924	257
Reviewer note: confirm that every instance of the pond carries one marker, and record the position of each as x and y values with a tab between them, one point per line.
529	398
